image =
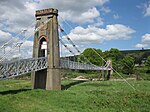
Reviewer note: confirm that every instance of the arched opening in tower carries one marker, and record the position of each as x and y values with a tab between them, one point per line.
43	47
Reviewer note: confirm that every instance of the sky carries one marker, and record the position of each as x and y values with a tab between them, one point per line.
102	24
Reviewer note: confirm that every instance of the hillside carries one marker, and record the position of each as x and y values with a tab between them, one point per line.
140	55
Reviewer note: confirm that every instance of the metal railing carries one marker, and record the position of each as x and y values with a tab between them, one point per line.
10	69
18	67
65	64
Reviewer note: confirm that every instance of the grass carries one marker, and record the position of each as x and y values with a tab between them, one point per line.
77	96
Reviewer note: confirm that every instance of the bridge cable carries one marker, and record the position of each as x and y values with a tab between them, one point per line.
72	43
11	41
103	59
37	29
69	49
115	70
16	36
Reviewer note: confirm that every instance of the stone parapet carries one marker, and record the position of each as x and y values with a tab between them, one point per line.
45	12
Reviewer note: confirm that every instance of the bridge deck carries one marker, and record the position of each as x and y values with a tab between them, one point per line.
16	68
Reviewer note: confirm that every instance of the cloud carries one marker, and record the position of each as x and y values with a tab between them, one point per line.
4	37
98	22
65	52
147	9
80	13
116	16
89	15
93	34
146	38
105	9
27	44
73	5
15	15
13	50
84	17
26	49
23	12
18	15
141	45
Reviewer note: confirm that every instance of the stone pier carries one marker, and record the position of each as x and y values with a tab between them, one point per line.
49	78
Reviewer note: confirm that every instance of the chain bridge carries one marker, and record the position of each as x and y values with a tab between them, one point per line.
46	63
16	68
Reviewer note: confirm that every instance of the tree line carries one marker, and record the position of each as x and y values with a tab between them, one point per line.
120	62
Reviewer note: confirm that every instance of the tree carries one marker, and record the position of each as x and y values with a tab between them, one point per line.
92	56
147	63
113	53
128	64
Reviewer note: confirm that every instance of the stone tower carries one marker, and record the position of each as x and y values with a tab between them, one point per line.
46	44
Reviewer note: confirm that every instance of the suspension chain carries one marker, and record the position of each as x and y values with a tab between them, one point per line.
72	43
69	49
26	38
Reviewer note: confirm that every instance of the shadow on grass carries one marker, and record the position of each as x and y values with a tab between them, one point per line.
13	91
65	87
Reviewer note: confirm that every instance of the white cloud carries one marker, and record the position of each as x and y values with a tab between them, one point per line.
116	16
98	22
82	17
11	42
91	13
98	35
12	51
146	38
23	11
141	45
27	44
18	15
147	9
73	5
4	36
25	49
105	9
65	52
15	15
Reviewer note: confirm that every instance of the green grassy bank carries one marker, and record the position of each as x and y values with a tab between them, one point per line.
76	96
